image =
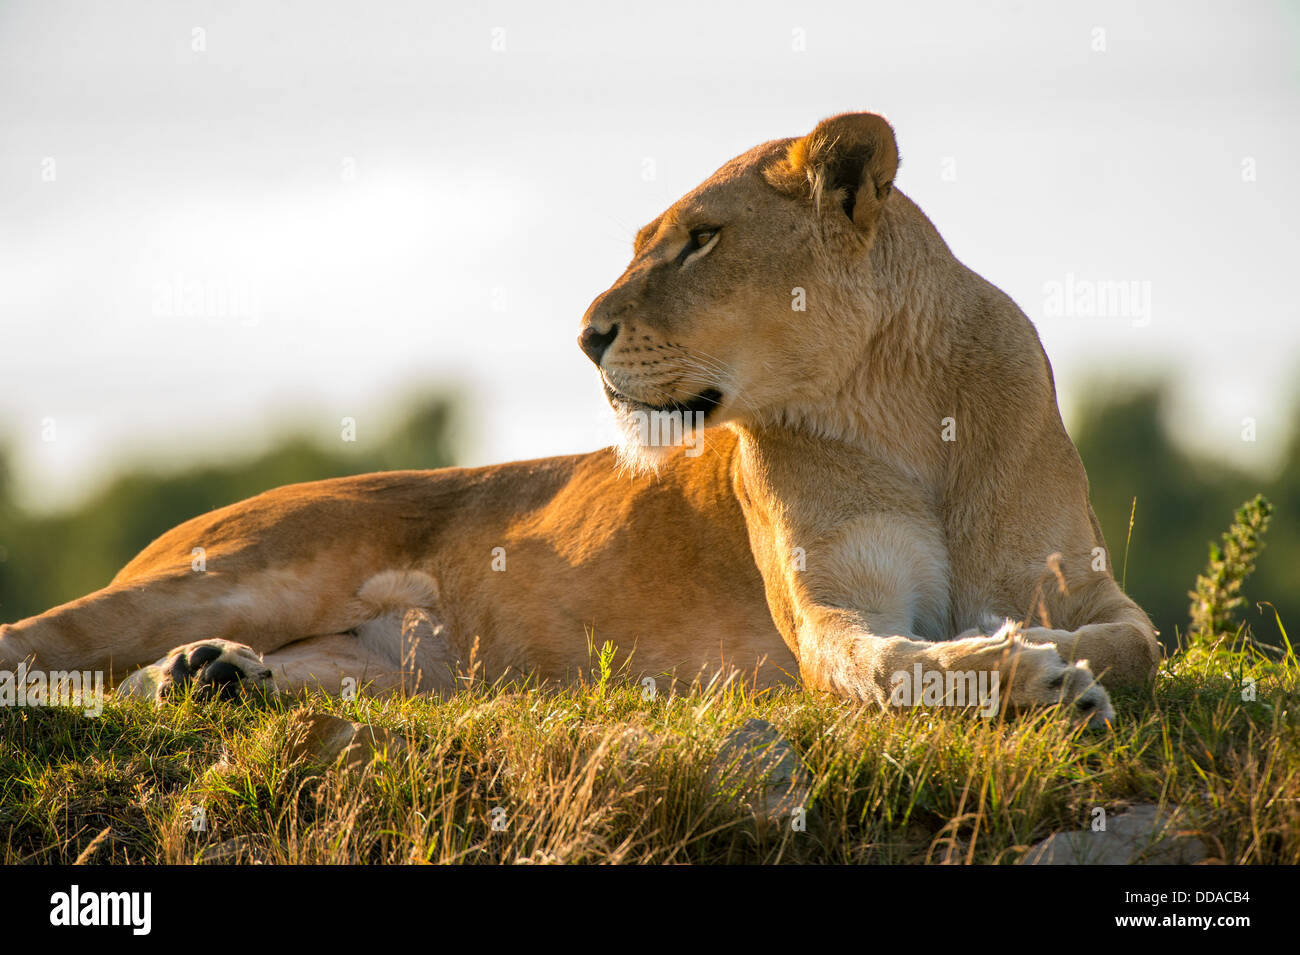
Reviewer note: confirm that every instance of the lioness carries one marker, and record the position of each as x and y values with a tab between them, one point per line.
885	490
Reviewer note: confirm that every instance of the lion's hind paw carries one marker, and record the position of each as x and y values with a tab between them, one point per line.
217	669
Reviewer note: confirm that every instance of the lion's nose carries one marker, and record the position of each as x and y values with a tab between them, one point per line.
594	343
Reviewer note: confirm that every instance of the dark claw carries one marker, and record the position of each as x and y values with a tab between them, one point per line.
219	679
180	673
202	655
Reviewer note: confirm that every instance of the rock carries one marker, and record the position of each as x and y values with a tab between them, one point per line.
321	738
538	857
757	766
240	850
1141	836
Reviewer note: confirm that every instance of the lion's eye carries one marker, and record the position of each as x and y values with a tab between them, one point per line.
701	237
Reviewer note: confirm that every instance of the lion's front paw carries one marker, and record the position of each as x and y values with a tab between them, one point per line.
216	668
1037	675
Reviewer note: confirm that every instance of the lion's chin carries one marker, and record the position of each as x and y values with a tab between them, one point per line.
640	459
649	440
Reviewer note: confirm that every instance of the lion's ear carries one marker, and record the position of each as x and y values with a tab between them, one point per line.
850	160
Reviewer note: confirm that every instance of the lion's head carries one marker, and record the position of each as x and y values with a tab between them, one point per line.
750	292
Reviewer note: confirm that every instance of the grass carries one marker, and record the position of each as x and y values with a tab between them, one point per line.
606	772
598	773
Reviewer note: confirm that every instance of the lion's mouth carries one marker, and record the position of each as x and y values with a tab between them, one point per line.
703	403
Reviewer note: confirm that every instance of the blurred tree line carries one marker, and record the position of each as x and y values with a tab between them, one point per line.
1183	502
48	560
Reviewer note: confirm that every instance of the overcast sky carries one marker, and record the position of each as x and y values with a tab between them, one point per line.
221	219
